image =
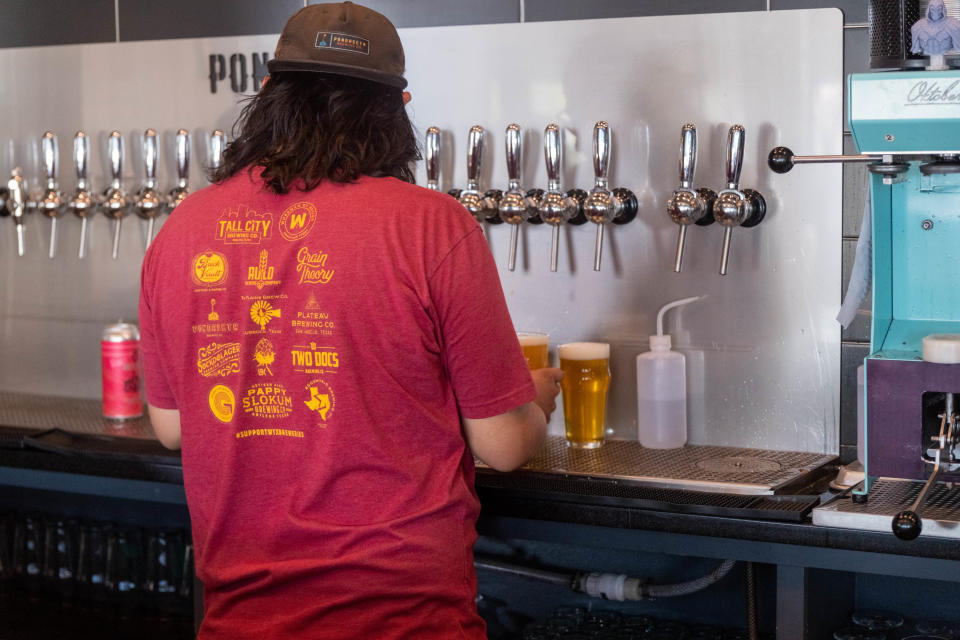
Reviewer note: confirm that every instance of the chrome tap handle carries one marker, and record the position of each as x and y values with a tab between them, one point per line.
218	144
17	203
183	158
513	141
150	157
735	139
115	154
81	159
688	155
50	152
474	156
552	155
433	158
601	153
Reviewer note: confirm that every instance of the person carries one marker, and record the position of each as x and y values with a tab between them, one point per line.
330	345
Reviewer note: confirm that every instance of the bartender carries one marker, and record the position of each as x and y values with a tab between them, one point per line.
330	346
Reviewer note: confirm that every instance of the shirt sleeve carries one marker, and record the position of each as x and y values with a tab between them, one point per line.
155	381
481	352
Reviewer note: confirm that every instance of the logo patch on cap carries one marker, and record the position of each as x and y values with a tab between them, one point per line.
342	42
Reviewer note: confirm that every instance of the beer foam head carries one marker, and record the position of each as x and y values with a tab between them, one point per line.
532	339
584	351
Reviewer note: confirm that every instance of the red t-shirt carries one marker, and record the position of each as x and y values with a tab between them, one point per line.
321	348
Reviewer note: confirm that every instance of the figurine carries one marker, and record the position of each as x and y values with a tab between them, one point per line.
936	34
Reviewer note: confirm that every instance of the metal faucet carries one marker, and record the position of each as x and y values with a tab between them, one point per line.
515	207
148	201
115	202
218	144
735	207
81	204
17	204
554	207
470	197
51	202
433	158
603	205
182	188
688	205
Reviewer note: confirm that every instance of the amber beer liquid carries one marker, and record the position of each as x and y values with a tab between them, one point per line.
586	380
120	359
535	349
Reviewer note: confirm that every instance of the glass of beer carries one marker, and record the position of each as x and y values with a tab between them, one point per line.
586	380
535	349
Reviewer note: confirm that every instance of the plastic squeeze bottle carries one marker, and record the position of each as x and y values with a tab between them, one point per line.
662	389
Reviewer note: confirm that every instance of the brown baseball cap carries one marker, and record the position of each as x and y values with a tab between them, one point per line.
342	39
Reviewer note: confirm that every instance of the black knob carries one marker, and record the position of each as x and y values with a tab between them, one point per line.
758	208
454	193
708	196
629	203
907	525
492	201
780	160
580	196
535	195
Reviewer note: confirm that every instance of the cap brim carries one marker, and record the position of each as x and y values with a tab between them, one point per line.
333	68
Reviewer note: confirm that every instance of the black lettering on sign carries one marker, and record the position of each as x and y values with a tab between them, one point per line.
218	70
238	72
259	69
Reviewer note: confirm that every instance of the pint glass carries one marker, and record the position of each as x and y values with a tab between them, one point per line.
586	380
535	348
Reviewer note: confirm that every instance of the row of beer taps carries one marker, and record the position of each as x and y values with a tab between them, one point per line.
731	207
114	202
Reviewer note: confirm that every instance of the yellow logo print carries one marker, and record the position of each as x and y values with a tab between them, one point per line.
321	399
209	269
213	316
222	403
297	220
261	275
266	400
312	267
262	312
218	359
244	226
264	355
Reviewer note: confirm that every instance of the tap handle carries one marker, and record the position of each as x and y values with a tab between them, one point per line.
734	155
81	157
433	157
513	141
150	155
17	194
552	150
183	156
601	151
115	154
50	152
474	154
218	144
688	155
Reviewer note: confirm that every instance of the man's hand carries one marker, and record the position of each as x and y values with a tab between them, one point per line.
547	382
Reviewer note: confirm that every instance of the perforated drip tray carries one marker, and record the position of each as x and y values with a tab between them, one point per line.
717	470
74	415
940	511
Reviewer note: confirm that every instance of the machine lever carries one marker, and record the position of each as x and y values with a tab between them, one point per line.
907	524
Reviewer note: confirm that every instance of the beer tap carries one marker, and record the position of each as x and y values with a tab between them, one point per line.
115	202
735	207
218	144
81	204
470	197
515	206
688	205
557	208
433	158
147	201
51	202
602	205
17	204
182	189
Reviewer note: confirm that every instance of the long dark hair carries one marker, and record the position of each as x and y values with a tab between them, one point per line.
304	128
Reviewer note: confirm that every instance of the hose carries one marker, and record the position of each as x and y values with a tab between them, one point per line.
610	586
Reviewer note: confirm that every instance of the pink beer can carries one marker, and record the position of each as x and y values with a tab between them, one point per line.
120	359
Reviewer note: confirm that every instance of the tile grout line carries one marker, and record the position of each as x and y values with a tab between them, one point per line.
116	19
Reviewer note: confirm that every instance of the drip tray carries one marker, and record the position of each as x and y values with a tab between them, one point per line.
74	415
709	469
940	510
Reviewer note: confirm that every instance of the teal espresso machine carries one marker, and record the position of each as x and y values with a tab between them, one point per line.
906	127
